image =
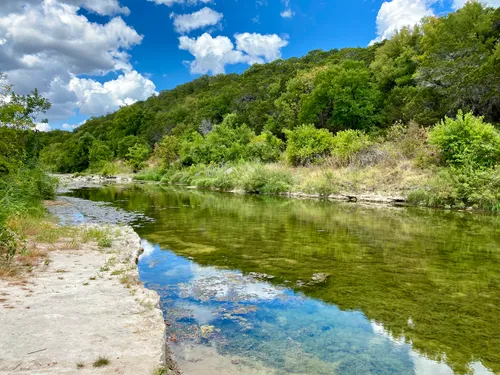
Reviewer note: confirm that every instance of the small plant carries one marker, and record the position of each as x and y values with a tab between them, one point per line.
105	242
101	362
80	365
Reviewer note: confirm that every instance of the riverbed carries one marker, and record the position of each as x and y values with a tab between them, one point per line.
269	285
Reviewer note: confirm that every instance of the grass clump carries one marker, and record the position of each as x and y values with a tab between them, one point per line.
101	362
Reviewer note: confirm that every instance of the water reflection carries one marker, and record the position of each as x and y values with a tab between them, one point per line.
409	291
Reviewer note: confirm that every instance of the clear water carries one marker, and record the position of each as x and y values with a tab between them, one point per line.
408	291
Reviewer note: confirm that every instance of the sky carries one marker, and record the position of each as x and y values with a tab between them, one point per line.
90	57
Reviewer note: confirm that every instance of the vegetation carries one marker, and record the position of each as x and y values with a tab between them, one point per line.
101	362
336	109
23	185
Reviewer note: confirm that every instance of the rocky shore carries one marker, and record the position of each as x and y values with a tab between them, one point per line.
83	311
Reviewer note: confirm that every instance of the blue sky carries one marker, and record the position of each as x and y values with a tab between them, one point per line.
89	58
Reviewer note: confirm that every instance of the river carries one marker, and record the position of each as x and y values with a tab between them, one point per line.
269	285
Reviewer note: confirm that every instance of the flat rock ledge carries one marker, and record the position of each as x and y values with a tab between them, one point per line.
81	305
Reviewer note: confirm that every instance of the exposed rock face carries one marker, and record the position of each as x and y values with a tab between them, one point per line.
84	304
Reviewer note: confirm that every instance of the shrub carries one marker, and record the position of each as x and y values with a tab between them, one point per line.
261	179
461	188
346	143
265	148
466	140
306	144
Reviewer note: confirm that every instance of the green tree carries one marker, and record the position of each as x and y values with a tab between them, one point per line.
137	155
99	154
460	62
343	97
167	150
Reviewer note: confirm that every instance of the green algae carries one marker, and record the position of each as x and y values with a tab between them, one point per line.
431	278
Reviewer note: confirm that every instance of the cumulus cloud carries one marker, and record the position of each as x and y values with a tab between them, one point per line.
260	48
213	54
185	23
47	44
460	3
169	3
95	98
102	7
43	127
395	14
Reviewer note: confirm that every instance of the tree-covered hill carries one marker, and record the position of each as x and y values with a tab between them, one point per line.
303	110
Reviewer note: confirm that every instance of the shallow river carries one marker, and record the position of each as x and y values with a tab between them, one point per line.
264	285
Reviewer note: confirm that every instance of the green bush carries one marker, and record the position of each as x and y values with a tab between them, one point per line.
264	180
167	150
265	148
306	144
466	140
461	188
346	143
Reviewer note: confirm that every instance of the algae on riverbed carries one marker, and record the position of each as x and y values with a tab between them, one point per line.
430	278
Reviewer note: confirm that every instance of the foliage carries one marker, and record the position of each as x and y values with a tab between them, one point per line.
461	188
348	142
99	155
167	150
343	97
307	144
265	148
466	140
137	155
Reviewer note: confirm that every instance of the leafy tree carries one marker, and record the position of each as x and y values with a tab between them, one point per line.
99	154
460	61
167	151
126	143
137	155
307	144
343	98
129	119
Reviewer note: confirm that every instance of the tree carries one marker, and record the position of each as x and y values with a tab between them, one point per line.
167	150
460	61
343	97
99	154
137	155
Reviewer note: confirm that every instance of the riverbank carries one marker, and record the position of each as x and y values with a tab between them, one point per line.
82	308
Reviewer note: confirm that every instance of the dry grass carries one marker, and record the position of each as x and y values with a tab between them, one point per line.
38	237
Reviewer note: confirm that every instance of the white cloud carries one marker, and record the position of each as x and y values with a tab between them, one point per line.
395	14
102	7
213	54
95	98
260	48
460	3
47	44
169	3
43	127
287	13
184	23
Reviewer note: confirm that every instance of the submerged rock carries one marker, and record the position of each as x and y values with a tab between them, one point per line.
319	277
262	276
